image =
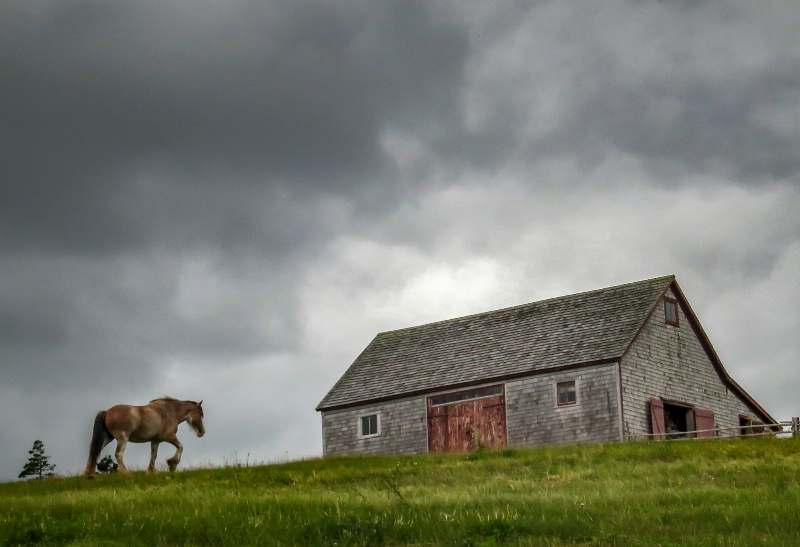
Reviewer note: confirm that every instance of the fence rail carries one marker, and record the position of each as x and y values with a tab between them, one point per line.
784	429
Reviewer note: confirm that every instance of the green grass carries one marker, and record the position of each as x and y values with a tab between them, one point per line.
722	492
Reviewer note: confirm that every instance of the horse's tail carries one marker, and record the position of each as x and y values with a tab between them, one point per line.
100	438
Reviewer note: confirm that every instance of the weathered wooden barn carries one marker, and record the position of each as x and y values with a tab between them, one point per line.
608	365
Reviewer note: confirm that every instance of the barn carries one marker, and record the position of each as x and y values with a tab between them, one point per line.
624	362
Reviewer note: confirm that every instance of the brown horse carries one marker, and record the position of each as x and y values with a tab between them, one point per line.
155	422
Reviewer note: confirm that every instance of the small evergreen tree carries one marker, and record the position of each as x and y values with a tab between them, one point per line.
38	465
107	465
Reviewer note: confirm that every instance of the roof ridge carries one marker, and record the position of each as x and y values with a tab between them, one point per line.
671	277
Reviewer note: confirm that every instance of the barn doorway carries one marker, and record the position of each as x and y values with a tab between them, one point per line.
674	420
678	421
463	421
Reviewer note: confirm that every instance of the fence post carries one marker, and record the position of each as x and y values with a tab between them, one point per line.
795	426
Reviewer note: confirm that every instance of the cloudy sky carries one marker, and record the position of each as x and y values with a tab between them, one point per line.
227	200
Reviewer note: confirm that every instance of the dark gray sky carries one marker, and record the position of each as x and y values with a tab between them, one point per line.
227	200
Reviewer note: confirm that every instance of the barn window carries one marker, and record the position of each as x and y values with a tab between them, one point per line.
479	393
671	312
369	426
566	393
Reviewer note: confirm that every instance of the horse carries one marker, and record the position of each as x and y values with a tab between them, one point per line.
155	422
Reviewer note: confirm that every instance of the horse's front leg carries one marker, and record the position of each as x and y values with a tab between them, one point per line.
176	459
122	441
153	453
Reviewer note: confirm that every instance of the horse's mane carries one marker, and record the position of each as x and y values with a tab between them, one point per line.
167	399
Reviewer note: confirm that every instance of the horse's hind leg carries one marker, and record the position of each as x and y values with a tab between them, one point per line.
91	465
176	459
100	438
122	441
153	453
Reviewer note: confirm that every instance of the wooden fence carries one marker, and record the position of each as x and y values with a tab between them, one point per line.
789	428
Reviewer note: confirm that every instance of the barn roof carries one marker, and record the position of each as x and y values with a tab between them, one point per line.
582	328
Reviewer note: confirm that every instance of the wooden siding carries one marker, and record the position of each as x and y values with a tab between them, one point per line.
403	429
669	361
531	413
534	419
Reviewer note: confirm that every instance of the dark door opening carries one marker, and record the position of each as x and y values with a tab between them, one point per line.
678	421
671	420
749	426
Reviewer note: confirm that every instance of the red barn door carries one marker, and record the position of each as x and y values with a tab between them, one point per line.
704	421
657	418
458	422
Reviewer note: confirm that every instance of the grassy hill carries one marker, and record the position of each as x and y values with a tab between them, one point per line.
718	492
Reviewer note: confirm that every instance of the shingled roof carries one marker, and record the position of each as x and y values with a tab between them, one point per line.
583	328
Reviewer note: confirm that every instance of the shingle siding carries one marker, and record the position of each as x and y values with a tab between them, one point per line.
532	416
403	424
534	419
670	362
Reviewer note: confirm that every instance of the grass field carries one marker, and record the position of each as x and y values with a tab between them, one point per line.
718	492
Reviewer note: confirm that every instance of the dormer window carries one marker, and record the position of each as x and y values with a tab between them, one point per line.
671	312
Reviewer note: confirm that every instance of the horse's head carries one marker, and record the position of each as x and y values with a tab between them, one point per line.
195	419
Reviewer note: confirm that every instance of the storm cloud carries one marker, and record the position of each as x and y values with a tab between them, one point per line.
227	200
